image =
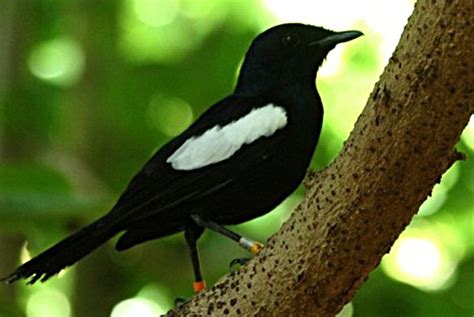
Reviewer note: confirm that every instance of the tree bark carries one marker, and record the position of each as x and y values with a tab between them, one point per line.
354	210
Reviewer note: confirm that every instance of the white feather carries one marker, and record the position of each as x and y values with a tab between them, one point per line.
220	143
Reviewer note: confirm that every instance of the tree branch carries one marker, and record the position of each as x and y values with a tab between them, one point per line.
355	209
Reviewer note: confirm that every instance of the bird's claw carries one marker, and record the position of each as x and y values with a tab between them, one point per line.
180	301
255	247
235	264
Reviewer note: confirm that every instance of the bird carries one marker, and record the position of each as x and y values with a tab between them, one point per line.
239	160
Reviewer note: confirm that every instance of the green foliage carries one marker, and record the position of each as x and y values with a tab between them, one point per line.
33	193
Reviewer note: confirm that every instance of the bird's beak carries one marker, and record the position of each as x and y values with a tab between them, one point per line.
337	38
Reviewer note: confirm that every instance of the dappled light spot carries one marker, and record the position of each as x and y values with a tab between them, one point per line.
48	302
419	258
164	31
137	307
140	43
25	254
332	63
156	12
170	115
157	294
420	261
347	311
59	61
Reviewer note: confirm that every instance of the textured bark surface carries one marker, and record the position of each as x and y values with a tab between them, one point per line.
355	209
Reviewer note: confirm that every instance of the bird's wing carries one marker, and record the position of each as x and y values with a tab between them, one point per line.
203	159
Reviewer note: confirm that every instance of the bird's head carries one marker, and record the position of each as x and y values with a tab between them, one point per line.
288	52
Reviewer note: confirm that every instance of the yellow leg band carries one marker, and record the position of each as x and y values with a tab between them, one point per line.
256	248
253	246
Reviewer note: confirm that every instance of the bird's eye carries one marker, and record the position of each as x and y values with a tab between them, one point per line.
290	40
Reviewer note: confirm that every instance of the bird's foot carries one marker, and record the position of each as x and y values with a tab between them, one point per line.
253	246
236	264
197	286
180	301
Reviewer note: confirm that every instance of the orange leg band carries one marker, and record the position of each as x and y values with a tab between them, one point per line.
199	286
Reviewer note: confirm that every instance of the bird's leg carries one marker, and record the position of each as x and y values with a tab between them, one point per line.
248	244
192	233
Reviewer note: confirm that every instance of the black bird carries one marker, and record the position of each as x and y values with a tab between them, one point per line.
237	161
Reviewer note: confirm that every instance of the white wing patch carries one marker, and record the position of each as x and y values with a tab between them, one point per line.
220	143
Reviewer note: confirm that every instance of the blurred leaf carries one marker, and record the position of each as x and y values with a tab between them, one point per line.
22	178
36	193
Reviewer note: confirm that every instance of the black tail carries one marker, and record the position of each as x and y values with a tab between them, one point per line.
65	253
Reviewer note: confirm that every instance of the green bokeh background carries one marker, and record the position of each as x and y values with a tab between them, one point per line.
90	89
